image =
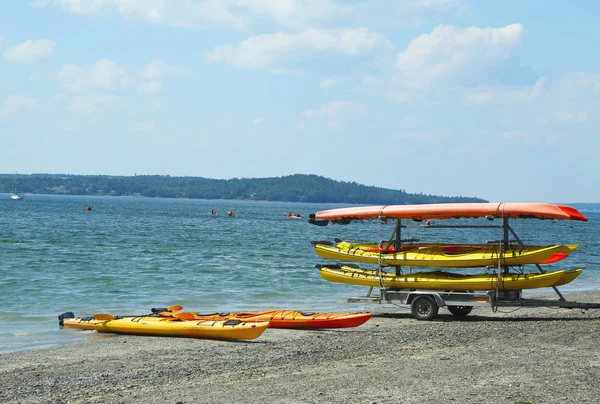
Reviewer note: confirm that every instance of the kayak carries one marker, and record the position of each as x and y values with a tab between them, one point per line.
434	256
286	318
385	247
452	211
439	280
568	277
449	248
168	327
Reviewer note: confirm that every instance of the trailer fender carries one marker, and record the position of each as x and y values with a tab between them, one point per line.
438	299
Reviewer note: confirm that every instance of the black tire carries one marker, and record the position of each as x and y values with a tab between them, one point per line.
424	308
460	311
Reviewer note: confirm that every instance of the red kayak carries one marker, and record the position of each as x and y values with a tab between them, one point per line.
281	318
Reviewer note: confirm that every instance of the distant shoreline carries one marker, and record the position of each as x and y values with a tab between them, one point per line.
581	206
292	188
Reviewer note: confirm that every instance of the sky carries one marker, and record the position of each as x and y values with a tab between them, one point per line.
489	99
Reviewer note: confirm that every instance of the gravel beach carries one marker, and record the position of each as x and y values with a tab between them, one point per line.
536	355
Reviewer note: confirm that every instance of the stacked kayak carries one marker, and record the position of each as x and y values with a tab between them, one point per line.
284	318
231	329
440	280
443	255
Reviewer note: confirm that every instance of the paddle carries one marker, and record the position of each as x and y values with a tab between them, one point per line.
184	316
170	308
322	242
106	317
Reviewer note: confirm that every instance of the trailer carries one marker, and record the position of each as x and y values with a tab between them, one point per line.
425	304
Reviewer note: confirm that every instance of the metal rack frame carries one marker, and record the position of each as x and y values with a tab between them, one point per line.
424	304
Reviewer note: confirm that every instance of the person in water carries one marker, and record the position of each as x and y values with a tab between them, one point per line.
230	213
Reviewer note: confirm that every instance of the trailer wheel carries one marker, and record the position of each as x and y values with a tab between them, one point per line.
424	308
460	311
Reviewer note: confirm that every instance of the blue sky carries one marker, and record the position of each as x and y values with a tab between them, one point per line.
493	99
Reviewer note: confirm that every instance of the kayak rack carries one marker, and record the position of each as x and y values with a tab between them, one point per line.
424	304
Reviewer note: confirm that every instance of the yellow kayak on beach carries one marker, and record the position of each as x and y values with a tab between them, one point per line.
167	327
439	280
435	256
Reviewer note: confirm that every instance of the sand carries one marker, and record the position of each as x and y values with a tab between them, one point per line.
530	355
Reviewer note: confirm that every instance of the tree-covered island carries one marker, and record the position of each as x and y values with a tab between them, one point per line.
291	188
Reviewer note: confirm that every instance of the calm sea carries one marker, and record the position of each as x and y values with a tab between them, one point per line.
128	255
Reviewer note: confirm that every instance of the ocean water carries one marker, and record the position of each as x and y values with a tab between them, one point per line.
128	255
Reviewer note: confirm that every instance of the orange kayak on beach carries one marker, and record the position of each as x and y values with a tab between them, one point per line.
282	318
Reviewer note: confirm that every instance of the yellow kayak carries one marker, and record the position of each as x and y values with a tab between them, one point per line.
168	327
438	280
384	247
568	277
434	256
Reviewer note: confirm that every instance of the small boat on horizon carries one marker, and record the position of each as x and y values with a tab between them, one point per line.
15	196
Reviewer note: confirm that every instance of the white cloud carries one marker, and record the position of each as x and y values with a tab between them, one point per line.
148	126
85	7
29	51
573	97
430	136
333	115
61	97
458	56
334	109
248	14
275	50
327	83
16	102
151	87
516	135
93	104
158	69
572	84
108	76
104	75
572	117
441	5
481	97
185	14
505	95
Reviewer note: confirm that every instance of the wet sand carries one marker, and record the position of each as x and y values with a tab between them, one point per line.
537	355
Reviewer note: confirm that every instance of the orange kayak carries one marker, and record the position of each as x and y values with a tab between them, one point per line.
454	210
285	318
